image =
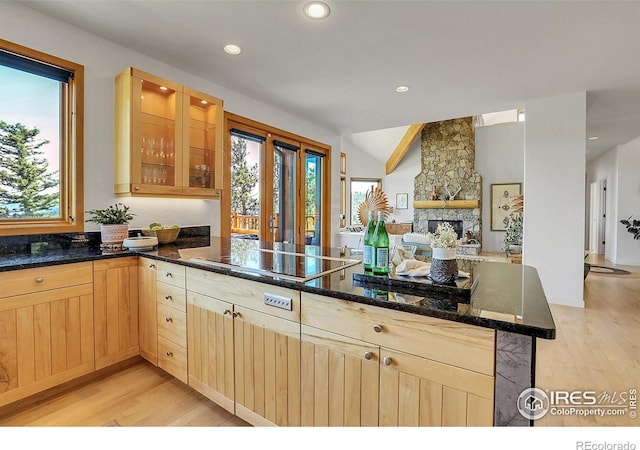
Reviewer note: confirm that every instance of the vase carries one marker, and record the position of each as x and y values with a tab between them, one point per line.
515	249
114	234
444	266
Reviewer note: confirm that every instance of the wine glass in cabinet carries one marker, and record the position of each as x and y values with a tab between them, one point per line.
202	143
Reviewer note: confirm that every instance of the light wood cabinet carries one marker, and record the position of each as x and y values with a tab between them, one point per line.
417	391
148	324
115	300
455	343
243	354
171	319
163	319
431	371
340	380
46	335
267	358
168	138
210	344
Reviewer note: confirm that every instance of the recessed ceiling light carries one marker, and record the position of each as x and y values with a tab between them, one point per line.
164	88
402	88
593	138
316	10
204	102
232	49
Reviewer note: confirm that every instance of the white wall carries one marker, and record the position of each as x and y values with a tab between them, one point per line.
499	159
102	60
401	180
628	249
605	168
554	190
359	165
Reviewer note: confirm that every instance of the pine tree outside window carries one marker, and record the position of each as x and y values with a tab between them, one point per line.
41	134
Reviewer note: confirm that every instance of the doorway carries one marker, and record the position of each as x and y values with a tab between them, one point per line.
278	187
597	216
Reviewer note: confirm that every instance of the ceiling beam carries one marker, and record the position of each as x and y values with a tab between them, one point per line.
403	146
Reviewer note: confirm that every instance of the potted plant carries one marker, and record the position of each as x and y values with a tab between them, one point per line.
513	236
444	266
114	222
633	226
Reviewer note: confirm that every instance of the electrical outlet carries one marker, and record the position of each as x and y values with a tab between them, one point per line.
278	301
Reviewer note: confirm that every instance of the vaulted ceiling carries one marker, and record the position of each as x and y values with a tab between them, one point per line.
458	58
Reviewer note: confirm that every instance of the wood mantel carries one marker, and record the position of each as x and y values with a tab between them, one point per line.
448	204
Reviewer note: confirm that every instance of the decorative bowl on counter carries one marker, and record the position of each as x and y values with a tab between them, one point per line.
165	236
140	243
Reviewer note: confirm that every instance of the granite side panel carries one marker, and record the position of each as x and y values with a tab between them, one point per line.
515	372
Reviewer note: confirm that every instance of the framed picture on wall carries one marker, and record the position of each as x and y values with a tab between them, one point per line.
402	201
501	204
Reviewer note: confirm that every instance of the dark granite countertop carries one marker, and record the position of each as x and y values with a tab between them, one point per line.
501	296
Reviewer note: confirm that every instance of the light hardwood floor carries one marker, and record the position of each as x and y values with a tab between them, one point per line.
596	348
138	395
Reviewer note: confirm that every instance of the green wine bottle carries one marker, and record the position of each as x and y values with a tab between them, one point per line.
367	258
381	247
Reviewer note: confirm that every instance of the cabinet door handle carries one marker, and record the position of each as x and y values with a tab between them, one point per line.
236	314
152	266
225	312
168	319
377	328
368	355
39	280
168	297
387	360
170	354
168	274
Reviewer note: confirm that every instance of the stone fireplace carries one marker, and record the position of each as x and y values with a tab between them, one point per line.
448	163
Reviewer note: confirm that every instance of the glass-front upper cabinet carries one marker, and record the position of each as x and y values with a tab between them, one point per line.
202	141
167	142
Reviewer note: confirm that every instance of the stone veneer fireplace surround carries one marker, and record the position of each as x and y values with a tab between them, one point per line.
448	158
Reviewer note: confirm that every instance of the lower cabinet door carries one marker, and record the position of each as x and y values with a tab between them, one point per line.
210	344
340	380
46	338
416	391
267	362
115	283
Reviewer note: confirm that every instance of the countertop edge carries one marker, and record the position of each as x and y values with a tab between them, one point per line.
484	322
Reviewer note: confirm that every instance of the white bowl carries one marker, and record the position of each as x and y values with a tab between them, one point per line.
140	243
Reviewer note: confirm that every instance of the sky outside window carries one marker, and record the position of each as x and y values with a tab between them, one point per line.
33	101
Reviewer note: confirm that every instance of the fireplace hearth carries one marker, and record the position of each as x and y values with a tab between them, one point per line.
456	224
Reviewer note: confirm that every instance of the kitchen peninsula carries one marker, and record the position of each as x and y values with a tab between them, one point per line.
280	338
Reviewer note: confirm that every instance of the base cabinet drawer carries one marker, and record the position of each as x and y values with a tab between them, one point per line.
28	281
172	358
458	344
172	274
172	324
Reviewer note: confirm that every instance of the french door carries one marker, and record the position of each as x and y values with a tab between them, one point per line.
278	186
